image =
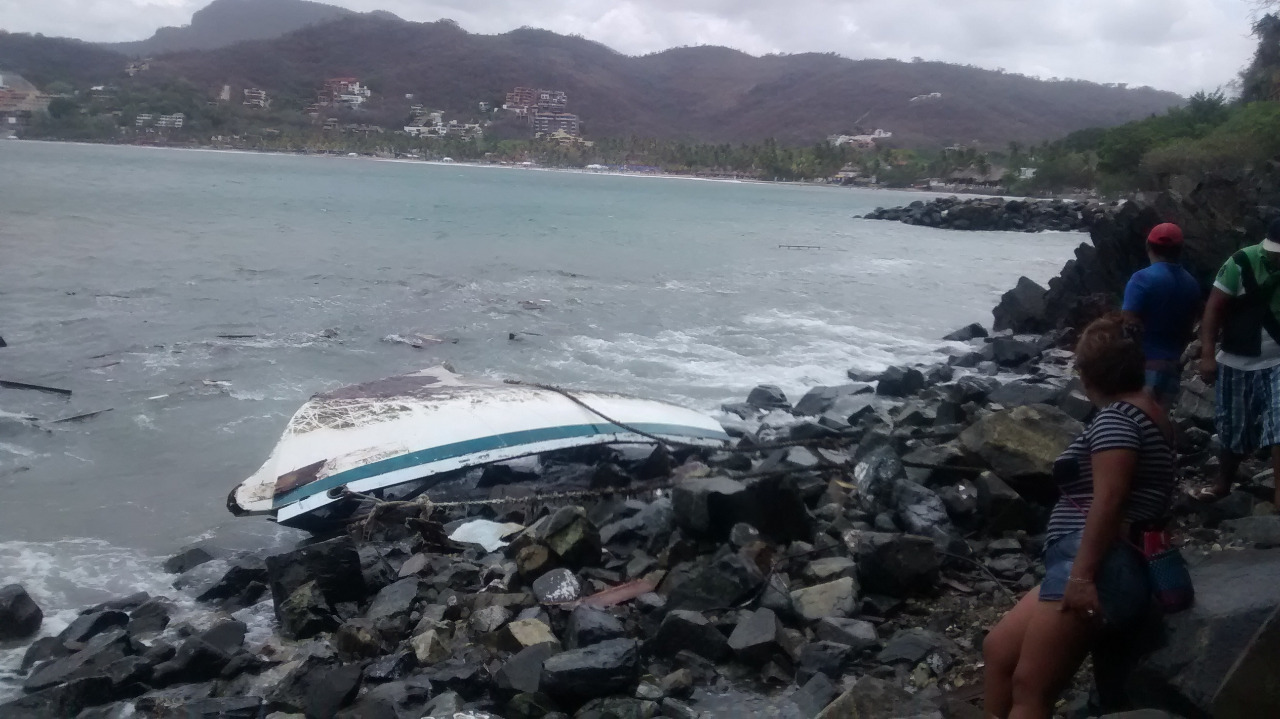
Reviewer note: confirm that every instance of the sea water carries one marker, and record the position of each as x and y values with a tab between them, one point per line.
201	297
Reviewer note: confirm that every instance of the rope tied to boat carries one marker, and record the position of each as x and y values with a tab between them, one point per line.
428	506
667	441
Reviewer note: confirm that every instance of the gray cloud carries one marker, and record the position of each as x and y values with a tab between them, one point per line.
1181	45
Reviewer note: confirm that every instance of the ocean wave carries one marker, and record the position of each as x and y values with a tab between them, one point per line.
709	365
67	575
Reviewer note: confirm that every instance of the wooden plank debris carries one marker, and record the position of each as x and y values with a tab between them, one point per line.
34	387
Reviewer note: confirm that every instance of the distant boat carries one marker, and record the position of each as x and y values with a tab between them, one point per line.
446	159
417	427
13	137
353	154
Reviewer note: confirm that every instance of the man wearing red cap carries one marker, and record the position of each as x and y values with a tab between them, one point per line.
1165	299
1244	307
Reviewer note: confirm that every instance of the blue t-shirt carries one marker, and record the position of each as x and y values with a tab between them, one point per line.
1166	297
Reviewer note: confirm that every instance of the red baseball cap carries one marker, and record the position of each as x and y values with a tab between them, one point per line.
1165	235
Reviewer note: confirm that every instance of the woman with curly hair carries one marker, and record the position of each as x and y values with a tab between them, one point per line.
1116	480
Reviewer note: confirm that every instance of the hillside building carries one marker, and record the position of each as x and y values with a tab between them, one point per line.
253	97
926	97
863	140
344	91
19	100
549	123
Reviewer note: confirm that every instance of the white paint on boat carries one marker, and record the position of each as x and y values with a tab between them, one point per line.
388	432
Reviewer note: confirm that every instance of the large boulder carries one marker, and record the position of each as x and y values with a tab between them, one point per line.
1252	686
395	700
1197	404
895	565
876	475
570	536
683	630
755	639
832	599
306	613
316	687
333	565
599	670
101	652
1236	593
1022	309
899	382
1020	394
922	511
768	397
1021	444
712	506
968	332
1002	508
588	625
63	700
820	399
20	616
719	583
871	698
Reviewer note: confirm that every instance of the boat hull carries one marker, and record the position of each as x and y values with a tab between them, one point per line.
390	432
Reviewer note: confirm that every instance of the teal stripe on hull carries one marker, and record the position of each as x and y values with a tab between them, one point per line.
483	444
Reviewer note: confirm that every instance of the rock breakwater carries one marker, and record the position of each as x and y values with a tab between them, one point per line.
995	213
851	571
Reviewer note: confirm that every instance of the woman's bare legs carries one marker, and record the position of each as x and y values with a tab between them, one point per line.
1000	651
1053	647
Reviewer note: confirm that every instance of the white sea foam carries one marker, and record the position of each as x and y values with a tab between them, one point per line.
17	449
705	366
65	576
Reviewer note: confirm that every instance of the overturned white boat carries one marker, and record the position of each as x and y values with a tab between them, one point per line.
395	431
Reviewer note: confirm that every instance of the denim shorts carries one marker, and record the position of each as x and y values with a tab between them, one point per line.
1123	587
1164	384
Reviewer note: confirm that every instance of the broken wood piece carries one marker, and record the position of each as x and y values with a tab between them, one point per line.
614	596
235	337
34	387
82	417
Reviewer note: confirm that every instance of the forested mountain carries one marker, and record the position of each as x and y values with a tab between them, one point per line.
44	60
227	22
706	94
703	93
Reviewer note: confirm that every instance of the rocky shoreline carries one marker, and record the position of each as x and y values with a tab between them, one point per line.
844	559
850	573
996	214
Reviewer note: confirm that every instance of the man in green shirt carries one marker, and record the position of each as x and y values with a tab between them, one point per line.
1244	308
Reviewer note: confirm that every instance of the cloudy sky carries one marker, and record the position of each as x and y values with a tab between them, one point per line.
1180	45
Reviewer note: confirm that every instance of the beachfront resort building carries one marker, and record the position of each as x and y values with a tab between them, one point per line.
549	123
545	111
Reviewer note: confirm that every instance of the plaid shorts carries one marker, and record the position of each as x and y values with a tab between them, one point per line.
1248	408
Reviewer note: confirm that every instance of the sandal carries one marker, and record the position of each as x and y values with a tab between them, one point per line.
1207	494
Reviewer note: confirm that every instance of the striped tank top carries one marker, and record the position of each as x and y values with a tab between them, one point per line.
1120	425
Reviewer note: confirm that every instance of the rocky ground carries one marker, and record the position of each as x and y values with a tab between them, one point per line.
995	213
852	573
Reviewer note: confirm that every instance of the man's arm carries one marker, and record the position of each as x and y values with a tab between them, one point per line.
1214	310
1134	294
